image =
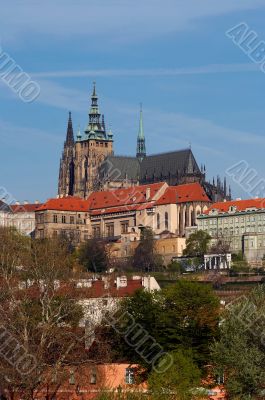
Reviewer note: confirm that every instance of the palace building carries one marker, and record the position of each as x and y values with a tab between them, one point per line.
88	163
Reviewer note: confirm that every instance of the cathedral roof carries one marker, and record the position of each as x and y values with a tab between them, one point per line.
119	168
153	167
179	162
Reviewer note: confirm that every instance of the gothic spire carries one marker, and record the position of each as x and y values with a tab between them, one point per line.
141	149
70	133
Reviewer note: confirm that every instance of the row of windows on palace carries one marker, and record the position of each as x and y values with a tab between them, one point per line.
129	377
232	220
65	219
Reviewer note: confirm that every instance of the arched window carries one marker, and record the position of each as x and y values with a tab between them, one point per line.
166	220
158	221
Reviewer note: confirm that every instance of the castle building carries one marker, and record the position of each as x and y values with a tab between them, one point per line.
88	163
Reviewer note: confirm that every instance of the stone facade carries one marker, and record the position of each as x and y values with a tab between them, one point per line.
19	216
240	223
88	163
82	157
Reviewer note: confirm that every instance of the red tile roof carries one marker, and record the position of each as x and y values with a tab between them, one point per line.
124	196
182	194
65	204
20	208
241	205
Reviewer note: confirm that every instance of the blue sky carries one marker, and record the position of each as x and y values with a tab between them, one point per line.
195	84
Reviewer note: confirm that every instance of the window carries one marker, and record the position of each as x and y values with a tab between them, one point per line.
110	229
72	378
55	219
124	227
72	220
158	221
129	376
166	220
63	219
96	231
93	377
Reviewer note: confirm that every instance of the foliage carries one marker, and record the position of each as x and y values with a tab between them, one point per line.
182	316
145	257
175	267
39	317
177	381
93	256
197	244
240	351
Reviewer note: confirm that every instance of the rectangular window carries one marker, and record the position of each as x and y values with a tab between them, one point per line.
129	376
72	220
55	219
96	231
124	227
63	219
110	230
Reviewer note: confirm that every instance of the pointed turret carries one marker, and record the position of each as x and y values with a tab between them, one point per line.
141	149
96	125
70	133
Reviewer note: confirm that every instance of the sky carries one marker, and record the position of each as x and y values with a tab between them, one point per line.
197	86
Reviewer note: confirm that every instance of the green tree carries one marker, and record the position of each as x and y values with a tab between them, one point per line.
240	351
145	257
93	255
178	380
182	316
197	244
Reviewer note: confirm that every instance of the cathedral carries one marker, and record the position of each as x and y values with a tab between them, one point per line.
88	162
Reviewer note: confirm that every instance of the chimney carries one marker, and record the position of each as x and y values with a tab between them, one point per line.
17	203
238	198
37	202
148	193
26	202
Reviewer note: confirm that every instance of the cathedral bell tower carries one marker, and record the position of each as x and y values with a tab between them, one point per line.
81	159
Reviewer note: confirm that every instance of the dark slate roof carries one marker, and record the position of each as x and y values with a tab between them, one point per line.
118	168
153	167
180	163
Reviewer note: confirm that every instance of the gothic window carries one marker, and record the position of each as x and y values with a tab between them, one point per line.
158	221
166	220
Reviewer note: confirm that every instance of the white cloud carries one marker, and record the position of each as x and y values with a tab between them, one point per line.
112	73
110	19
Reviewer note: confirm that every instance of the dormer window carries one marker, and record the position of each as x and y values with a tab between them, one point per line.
232	209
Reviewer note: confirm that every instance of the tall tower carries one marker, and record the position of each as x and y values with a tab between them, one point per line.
67	169
141	150
91	149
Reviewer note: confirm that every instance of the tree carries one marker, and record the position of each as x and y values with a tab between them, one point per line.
178	381
183	316
39	332
240	351
190	319
145	257
197	244
93	255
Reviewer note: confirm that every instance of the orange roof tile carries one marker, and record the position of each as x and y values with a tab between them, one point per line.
182	194
123	197
20	208
65	204
241	205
